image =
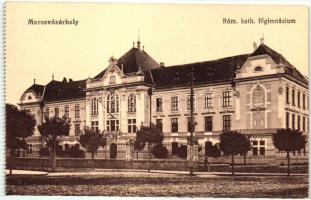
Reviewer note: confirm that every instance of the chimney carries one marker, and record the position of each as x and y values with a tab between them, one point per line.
254	45
34	81
162	64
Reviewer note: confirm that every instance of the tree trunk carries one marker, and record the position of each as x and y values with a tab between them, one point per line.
244	158
54	155
232	164
149	157
288	163
11	158
92	156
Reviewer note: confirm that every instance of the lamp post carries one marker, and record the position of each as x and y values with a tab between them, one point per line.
191	124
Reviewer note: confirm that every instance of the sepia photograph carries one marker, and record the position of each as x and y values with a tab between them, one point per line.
156	100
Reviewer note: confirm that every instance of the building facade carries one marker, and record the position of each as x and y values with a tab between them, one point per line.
254	93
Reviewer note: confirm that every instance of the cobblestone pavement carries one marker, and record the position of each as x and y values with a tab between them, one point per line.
159	184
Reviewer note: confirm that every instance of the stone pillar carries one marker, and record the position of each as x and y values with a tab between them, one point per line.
128	150
195	151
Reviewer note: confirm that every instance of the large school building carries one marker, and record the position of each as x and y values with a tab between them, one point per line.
255	93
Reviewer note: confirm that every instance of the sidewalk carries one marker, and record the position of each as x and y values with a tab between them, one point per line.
25	172
137	172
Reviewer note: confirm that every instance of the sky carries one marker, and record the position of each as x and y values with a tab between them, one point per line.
171	33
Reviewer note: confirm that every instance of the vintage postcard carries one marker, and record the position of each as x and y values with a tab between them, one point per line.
171	100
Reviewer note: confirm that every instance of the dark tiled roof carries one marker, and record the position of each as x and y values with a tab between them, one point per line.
278	58
135	58
209	71
59	90
132	60
38	89
101	74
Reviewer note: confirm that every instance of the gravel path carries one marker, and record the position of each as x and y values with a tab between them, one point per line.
155	184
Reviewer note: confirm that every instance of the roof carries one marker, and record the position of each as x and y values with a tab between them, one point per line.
135	58
132	60
209	71
38	89
278	58
60	90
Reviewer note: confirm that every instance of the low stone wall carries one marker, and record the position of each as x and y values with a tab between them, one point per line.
156	164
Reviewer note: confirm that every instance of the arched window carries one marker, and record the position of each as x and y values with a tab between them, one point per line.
94	106
258	95
258	69
112	103
131	103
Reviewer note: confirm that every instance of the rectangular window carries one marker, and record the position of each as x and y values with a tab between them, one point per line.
131	124
159	124
298	122
159	104
208	123
293	97
226	122
259	147
188	102
47	113
226	98
29	148
287	120
298	99
303	101
77	129
293	121
174	122
56	112
67	111
303	124
112	125
77	111
174	103
94	125
208	100
287	95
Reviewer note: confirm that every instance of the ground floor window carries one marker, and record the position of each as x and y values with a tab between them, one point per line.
174	122
94	125
208	123
226	122
29	148
259	147
131	125
159	124
112	125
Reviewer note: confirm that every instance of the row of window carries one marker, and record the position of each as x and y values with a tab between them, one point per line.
294	98
111	125
208	123
208	101
67	113
294	122
112	103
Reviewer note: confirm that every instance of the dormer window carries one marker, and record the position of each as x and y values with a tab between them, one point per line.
258	69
